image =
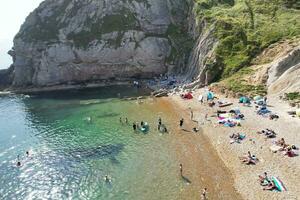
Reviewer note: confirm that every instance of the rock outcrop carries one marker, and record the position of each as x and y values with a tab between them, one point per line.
71	41
284	73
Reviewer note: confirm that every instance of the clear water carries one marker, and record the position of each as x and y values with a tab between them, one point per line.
70	154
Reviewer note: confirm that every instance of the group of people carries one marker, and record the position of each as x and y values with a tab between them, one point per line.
269	133
289	149
19	164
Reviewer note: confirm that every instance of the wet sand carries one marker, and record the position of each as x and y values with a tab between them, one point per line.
202	166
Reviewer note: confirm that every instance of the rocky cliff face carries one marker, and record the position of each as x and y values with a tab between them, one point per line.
72	41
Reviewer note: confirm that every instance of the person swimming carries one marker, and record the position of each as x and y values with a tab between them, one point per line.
107	179
18	161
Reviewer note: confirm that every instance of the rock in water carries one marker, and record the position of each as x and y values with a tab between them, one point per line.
71	41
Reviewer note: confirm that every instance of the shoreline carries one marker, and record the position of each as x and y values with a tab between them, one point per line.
202	165
245	176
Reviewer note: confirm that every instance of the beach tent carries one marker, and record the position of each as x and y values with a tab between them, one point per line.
188	96
257	98
244	100
210	95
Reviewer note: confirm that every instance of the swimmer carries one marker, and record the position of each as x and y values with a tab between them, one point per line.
107	179
18	162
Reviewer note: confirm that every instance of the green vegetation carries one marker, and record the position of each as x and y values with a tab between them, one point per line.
238	84
292	96
245	27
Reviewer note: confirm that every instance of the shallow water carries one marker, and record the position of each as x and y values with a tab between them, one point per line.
75	139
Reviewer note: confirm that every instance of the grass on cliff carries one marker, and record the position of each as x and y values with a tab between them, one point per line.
245	27
237	84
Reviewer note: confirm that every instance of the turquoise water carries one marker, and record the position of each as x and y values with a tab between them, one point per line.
75	139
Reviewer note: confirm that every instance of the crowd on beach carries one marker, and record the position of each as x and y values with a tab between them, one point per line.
233	117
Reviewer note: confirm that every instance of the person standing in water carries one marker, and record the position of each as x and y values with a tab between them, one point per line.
126	120
181	170
18	161
121	120
181	122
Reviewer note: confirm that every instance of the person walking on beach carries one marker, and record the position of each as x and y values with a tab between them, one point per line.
181	123
134	126
204	194
181	170
159	123
192	113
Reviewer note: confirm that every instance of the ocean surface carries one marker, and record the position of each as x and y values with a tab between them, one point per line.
75	138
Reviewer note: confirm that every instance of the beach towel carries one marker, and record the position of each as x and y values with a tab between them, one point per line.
298	112
275	148
278	183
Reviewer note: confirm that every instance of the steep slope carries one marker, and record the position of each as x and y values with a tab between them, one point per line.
71	41
233	32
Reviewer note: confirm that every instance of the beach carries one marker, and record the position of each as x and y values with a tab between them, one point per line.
245	177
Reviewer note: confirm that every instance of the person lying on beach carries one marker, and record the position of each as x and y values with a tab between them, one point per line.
290	153
195	129
249	159
264	179
281	143
270	186
269	133
237	137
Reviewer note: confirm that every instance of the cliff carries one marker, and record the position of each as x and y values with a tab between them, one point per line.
74	42
71	41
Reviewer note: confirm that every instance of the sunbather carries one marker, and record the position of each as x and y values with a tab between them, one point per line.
290	152
249	159
264	179
281	142
270	186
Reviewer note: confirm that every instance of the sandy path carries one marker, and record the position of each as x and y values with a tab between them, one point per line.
245	177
